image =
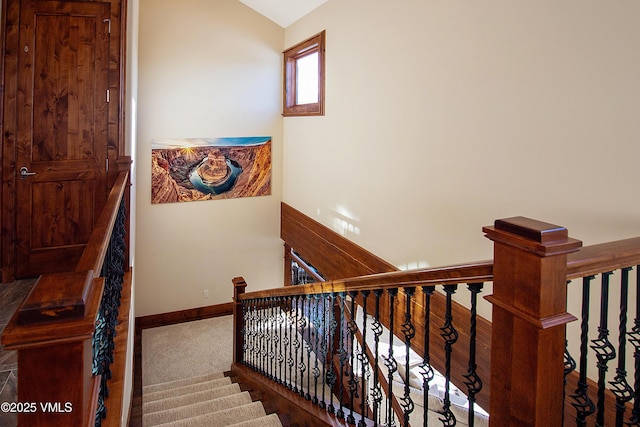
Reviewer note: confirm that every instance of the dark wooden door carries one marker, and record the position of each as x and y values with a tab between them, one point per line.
62	113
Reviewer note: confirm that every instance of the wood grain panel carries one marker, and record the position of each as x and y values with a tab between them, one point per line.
333	255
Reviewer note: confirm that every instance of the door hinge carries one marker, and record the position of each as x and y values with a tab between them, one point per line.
108	95
108	21
107	162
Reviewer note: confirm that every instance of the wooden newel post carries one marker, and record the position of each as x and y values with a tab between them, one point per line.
239	286
529	318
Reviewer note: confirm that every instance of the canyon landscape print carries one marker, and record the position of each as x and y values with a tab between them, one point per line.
190	169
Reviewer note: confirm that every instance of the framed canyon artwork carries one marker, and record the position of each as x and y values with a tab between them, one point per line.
190	169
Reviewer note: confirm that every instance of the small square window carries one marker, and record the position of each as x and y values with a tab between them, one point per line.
304	78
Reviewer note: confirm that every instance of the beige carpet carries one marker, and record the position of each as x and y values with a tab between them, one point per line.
183	378
186	350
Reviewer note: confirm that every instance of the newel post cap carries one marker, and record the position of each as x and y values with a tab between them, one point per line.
541	238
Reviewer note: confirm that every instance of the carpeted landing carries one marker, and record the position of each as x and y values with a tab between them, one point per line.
183	380
209	400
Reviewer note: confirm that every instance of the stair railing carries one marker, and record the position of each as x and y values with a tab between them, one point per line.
599	389
516	367
64	331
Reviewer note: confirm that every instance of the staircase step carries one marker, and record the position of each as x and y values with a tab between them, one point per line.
223	418
187	399
181	382
187	389
267	421
196	409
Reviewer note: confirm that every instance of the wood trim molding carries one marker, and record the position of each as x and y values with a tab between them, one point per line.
333	255
174	317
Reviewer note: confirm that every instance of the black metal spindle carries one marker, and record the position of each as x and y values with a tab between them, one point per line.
569	366
621	388
364	360
324	346
342	354
296	342
376	328
390	361
273	339
290	361
318	330
426	370
330	373
107	318
352	328
279	338
409	331
603	348
583	404
255	317
244	309
305	347
472	380
450	335
634	338
262	336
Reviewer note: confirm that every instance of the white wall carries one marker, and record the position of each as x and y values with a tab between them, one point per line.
206	69
444	116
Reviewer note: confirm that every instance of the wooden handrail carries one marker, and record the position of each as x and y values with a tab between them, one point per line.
94	253
55	347
589	260
604	257
460	273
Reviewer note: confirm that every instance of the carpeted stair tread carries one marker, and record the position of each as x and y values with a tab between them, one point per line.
267	421
196	409
182	382
187	399
187	389
223	418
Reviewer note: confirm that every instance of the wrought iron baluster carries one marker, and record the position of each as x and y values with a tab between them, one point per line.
569	366
634	338
107	319
273	339
318	330
376	328
324	346
583	404
621	388
253	361
353	386
296	343
330	373
603	348
342	354
364	360
283	338
243	332
390	361
256	334
289	348
308	343
302	325
426	370
409	332
262	340
450	335
472	380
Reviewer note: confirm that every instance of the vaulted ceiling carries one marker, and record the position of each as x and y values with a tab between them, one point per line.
283	12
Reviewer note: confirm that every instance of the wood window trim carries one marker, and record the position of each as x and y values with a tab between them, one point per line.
291	55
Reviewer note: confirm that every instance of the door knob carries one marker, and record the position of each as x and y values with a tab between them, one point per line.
24	172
